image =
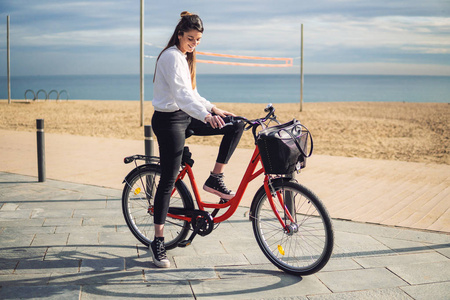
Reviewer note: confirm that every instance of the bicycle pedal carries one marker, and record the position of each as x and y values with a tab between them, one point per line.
184	243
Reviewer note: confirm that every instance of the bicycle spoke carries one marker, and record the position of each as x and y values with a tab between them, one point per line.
305	245
137	204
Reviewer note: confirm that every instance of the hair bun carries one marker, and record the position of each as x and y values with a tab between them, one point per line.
185	13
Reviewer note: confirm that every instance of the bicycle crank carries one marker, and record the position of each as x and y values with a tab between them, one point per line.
201	221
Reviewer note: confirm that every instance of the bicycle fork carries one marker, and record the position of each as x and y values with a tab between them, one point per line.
286	202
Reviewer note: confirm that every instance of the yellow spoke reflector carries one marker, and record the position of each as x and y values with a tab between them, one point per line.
137	191
280	249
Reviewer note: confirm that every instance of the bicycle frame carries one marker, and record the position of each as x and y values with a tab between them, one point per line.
250	174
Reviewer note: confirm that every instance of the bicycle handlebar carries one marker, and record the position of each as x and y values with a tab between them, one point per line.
253	124
270	115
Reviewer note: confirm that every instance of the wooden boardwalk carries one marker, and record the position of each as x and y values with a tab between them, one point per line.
394	193
415	195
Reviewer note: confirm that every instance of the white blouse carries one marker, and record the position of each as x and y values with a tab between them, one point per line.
172	89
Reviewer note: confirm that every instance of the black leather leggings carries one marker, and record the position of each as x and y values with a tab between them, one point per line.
170	130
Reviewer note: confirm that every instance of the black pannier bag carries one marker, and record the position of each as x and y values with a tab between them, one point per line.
284	148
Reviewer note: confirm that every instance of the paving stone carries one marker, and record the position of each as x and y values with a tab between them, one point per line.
47	292
90	252
179	274
210	260
424	236
53	239
63	222
114	203
101	220
51	213
402	246
256	257
444	249
138	263
85	229
181	290
116	238
379	294
336	264
21	223
9	207
248	271
423	272
23	253
402	259
19	280
102	265
16	240
354	280
96	278
83	238
16	214
28	230
47	267
351	244
258	287
7	266
95	212
435	291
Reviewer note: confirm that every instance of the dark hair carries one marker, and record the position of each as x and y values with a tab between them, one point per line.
187	23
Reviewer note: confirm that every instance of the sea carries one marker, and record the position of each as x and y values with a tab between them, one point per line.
239	88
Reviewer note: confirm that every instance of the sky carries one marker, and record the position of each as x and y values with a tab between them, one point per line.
54	37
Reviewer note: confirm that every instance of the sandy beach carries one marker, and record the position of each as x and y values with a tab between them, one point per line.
414	132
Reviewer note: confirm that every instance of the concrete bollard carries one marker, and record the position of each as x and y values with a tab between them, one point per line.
40	149
148	140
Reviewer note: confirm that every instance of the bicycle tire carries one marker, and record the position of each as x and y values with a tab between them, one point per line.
137	206
303	251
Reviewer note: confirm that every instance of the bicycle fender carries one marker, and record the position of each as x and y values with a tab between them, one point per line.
138	169
180	185
261	192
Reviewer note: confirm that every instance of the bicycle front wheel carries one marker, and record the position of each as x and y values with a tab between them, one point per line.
304	246
138	202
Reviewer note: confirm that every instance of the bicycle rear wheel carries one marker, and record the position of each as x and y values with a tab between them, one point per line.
304	246
137	206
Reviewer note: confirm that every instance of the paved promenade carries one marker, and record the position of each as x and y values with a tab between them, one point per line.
66	238
62	240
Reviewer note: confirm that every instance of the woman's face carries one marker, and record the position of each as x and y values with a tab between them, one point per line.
189	40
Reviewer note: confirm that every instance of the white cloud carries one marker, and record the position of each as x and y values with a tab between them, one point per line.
339	33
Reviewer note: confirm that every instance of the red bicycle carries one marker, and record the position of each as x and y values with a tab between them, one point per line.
291	225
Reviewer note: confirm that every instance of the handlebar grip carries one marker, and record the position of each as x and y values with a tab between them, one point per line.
269	107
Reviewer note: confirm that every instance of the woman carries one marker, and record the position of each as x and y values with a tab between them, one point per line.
179	107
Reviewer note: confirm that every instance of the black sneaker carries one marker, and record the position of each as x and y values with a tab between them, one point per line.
159	253
215	185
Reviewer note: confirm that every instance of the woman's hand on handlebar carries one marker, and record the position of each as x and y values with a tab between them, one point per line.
221	112
215	119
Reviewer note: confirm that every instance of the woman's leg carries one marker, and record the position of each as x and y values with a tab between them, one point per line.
170	131
231	136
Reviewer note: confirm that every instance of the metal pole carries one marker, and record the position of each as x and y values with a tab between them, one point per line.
142	64
149	152
40	149
148	140
301	68
8	59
